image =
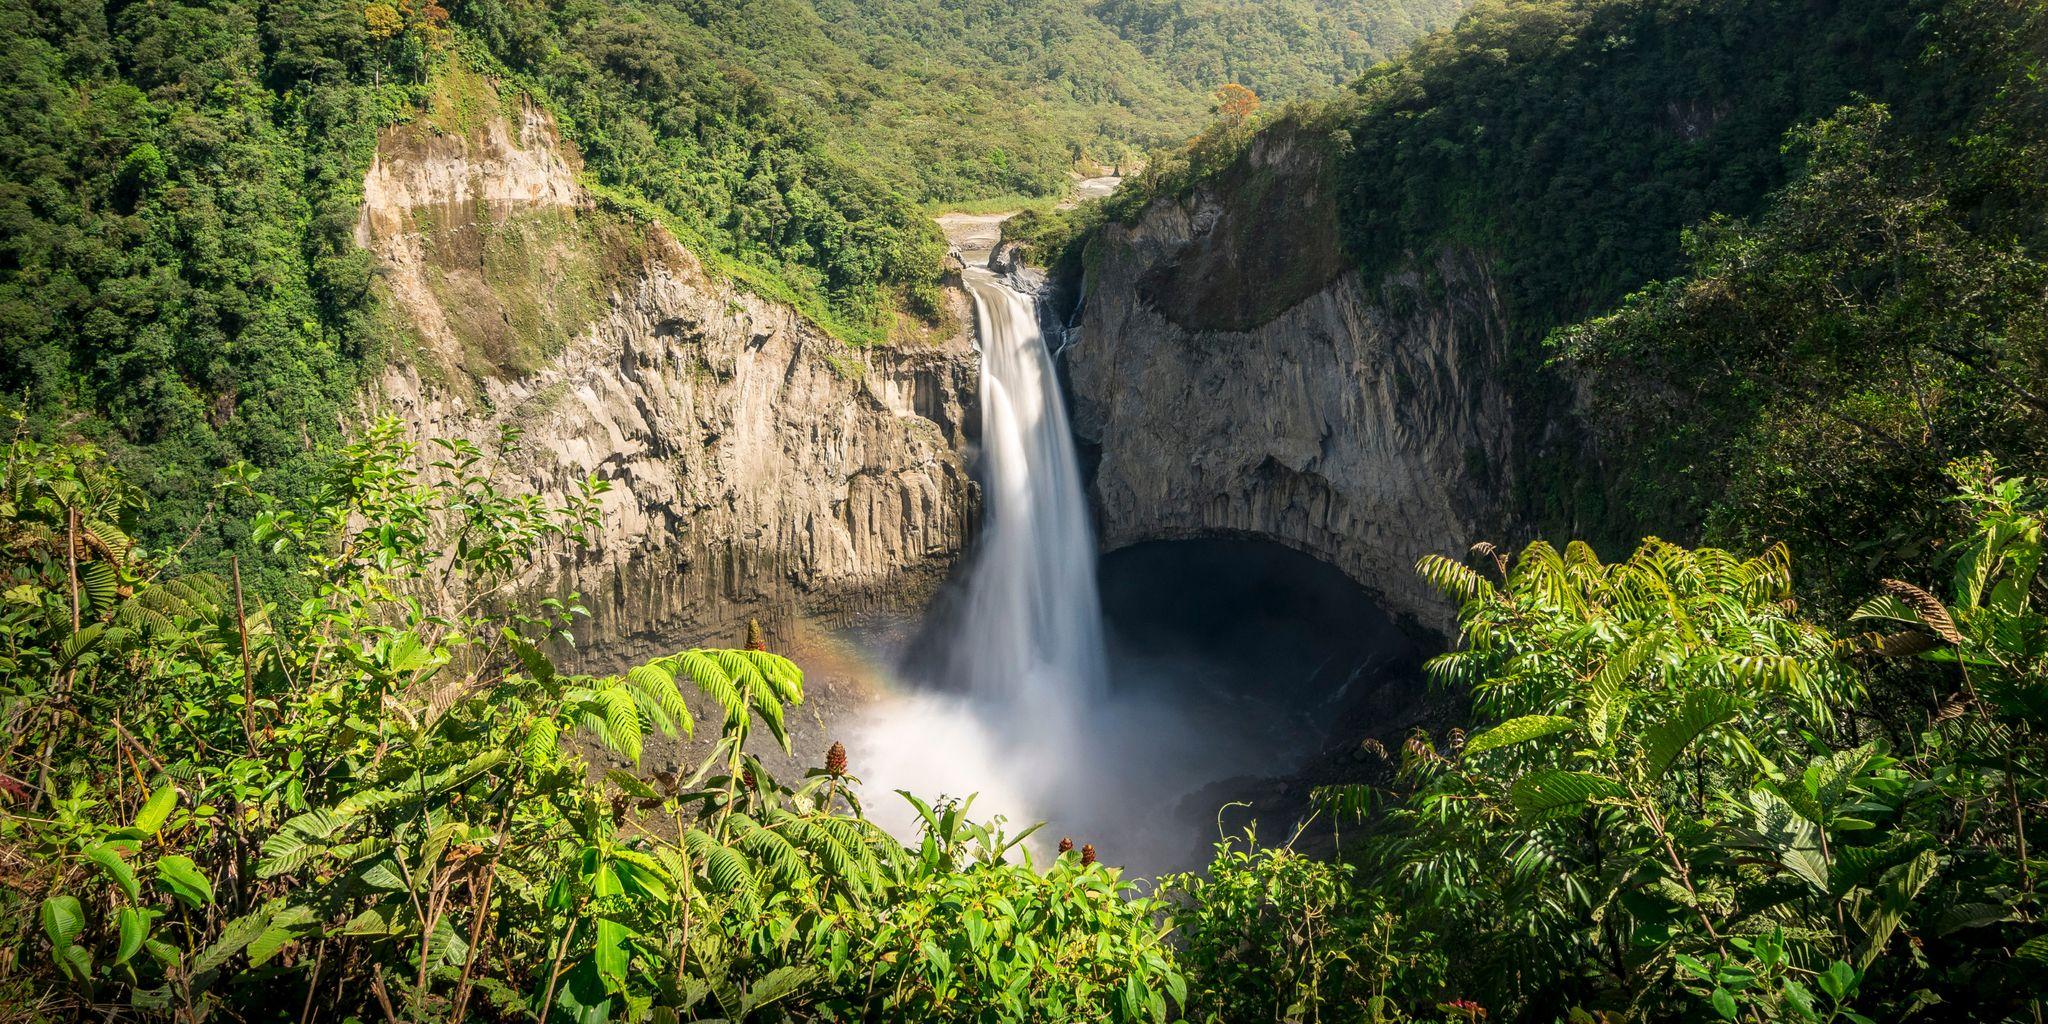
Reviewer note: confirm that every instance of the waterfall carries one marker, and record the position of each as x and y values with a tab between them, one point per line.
1008	691
1009	697
1029	644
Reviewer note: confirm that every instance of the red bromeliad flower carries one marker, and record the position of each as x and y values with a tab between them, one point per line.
835	760
1087	854
1066	844
1464	1009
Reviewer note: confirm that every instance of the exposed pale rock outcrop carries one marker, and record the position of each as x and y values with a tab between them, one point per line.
758	466
1238	379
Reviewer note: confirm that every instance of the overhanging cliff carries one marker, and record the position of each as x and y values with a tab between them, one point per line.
1238	380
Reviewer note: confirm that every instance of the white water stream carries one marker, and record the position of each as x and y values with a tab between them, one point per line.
1030	640
1023	662
1014	707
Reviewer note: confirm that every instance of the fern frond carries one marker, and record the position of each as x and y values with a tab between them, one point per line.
1453	579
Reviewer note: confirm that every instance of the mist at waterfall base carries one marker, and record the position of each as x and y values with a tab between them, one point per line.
1229	661
1110	711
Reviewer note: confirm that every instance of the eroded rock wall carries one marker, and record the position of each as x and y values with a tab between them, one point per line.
758	467
1238	379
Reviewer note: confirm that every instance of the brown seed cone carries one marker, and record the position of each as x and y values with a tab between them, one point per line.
1485	549
1956	706
755	641
1066	844
1087	854
835	759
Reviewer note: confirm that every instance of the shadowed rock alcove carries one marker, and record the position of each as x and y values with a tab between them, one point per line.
1270	659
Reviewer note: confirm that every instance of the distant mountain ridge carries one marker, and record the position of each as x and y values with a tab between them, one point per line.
977	97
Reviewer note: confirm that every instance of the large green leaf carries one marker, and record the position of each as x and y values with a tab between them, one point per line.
1453	579
775	853
658	686
618	721
640	874
1780	828
157	809
184	879
134	927
611	954
301	838
1971	915
234	937
711	679
111	862
1606	696
1885	908
724	867
1517	730
776	985
584	997
540	742
1702	711
63	920
1555	789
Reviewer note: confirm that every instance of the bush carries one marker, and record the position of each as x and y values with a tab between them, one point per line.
369	804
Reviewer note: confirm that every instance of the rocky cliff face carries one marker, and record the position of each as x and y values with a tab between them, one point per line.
758	467
1237	379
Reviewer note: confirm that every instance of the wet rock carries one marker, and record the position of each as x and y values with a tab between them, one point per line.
1238	379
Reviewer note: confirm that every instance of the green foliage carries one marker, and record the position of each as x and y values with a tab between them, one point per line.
1687	808
960	101
365	805
179	279
1821	361
1570	145
1272	934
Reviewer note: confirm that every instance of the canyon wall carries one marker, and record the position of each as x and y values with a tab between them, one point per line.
758	467
1238	379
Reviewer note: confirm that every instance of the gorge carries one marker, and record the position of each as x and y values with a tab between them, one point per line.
1018	511
758	471
1019	698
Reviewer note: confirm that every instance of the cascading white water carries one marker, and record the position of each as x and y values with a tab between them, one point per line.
1029	643
1023	654
1013	703
1010	699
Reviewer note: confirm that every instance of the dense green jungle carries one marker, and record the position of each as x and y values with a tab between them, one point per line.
1750	691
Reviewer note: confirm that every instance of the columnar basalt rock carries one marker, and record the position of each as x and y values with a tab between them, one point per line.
1237	379
758	466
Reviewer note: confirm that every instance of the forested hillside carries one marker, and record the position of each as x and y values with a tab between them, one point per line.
1830	192
1281	50
179	182
980	98
181	278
